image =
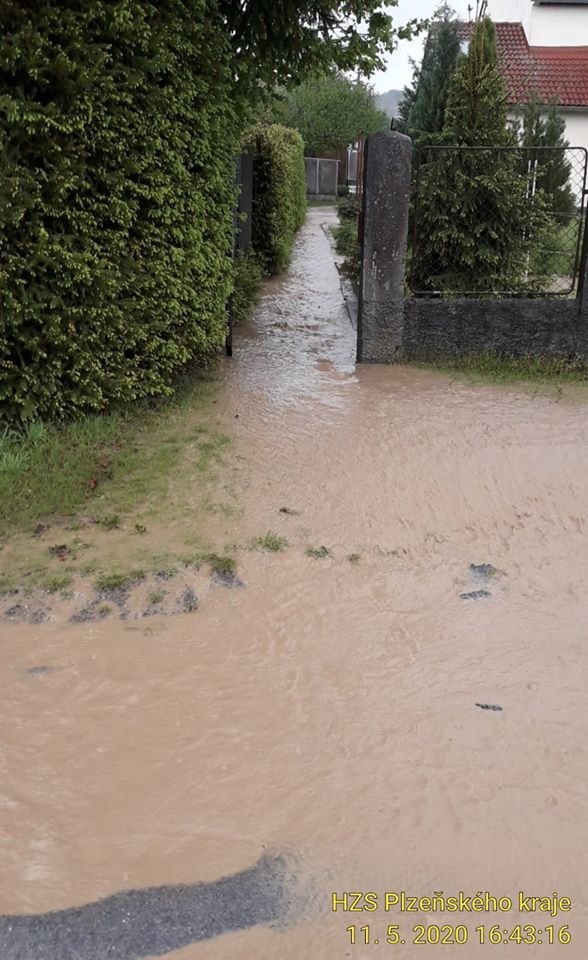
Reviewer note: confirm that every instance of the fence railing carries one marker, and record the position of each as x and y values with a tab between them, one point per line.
322	176
498	221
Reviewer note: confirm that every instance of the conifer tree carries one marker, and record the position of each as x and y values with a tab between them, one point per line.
423	107
476	223
552	168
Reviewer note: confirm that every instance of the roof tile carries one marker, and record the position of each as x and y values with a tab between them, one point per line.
549	73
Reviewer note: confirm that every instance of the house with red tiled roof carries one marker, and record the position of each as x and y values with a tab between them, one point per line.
543	49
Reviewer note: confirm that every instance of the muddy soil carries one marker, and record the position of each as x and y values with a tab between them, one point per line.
394	702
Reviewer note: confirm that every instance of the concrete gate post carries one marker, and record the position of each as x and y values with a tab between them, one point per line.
387	181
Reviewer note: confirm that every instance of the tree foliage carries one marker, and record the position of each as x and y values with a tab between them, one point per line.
279	193
551	167
422	110
330	112
116	199
280	43
477	225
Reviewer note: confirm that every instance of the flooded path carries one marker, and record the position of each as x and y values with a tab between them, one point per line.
322	729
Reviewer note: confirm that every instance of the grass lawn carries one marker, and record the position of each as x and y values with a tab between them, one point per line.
108	495
532	370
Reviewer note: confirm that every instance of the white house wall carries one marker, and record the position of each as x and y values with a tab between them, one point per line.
552	25
577	136
511	11
557	25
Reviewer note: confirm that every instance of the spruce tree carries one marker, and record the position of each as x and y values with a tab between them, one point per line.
476	223
552	168
423	107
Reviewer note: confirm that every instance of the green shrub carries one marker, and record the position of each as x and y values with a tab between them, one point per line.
116	199
247	277
347	245
279	193
348	208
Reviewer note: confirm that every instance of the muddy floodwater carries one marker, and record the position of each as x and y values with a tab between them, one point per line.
403	710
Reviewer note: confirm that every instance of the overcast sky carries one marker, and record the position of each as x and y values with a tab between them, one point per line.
399	71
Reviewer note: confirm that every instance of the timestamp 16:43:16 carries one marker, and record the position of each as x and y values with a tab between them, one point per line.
459	934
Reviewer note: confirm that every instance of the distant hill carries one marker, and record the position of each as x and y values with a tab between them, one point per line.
389	101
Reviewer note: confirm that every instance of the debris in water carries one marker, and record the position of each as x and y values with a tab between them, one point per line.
475	595
488	706
484	570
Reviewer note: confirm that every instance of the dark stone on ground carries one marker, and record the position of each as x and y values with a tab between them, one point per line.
484	570
227	579
94	611
155	921
39	616
164	575
21	612
189	600
40	529
475	595
40	671
17	612
153	611
118	595
488	706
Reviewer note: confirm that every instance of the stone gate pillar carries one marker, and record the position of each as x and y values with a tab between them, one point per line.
387	181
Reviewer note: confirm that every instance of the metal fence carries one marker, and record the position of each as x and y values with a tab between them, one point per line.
498	221
322	176
241	225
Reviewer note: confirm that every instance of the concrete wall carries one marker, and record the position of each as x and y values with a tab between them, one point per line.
458	328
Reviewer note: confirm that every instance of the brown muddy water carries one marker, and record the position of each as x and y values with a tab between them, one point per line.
321	722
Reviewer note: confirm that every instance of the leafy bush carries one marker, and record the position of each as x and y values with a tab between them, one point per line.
246	285
279	193
348	209
116	190
348	246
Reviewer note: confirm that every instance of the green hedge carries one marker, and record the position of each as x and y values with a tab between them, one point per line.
116	199
279	193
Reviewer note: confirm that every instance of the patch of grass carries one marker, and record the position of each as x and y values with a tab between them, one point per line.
123	456
505	369
318	553
271	542
104	609
56	582
140	528
118	581
221	563
354	557
247	279
7	584
111	522
156	597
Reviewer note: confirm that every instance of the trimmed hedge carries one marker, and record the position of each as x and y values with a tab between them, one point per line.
116	199
279	193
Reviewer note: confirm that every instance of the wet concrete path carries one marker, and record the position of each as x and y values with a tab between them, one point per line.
338	713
